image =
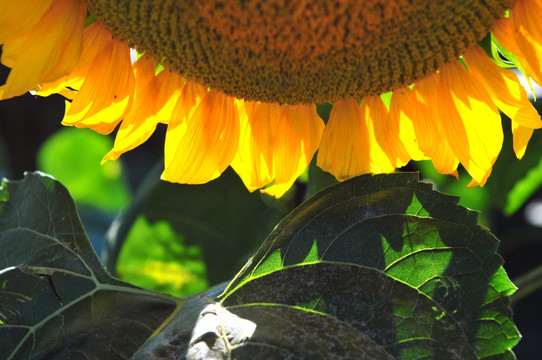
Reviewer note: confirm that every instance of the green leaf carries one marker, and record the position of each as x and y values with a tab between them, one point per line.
496	52
475	198
56	299
205	330
318	180
166	264
401	271
73	157
378	267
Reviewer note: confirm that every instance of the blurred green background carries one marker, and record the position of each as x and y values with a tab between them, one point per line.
182	239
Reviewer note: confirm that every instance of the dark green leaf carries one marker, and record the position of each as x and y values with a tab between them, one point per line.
403	265
475	198
379	267
56	299
318	180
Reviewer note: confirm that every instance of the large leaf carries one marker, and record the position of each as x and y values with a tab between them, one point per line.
379	267
405	266
56	299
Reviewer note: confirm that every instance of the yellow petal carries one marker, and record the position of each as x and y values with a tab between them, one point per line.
144	72
254	161
35	56
526	16
504	87
426	121
344	149
401	112
426	125
298	136
521	136
387	133
383	139
473	183
470	121
107	92
18	17
152	103
242	162
505	33
95	37
209	143
190	98
68	57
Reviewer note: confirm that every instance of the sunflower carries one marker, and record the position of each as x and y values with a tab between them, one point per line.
237	82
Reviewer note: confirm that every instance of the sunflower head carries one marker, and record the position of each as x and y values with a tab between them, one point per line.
237	82
293	52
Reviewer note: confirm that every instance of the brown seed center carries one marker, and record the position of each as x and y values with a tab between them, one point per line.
295	52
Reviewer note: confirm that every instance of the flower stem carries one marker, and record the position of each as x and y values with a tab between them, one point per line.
118	231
